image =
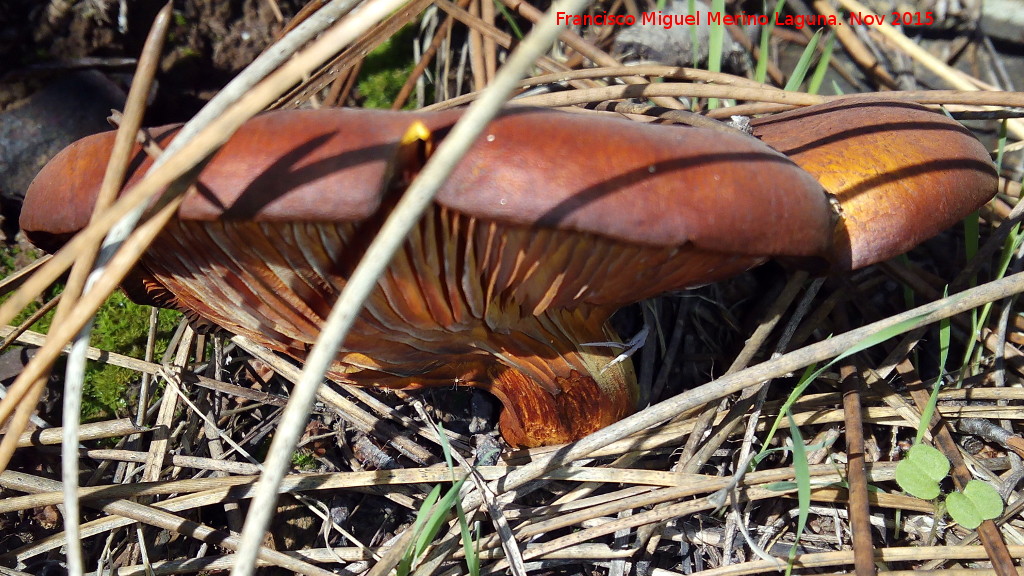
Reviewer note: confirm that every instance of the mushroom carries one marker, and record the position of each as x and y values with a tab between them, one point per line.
900	172
551	223
547	226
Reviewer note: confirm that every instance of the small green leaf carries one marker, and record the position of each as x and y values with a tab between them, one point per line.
985	497
978	502
921	470
959	507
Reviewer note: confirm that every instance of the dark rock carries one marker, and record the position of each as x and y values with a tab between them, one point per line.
67	109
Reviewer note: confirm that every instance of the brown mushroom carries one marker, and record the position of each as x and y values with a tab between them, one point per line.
548	225
901	173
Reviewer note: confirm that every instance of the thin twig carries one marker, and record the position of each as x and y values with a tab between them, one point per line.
796	360
80	280
156	517
860	511
392	235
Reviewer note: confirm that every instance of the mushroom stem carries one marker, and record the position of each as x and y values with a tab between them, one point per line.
575	391
553	387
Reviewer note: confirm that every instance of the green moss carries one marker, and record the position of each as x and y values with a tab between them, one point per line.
304	461
385	70
7	259
121	326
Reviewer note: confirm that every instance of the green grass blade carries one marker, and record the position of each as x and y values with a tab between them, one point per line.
802	472
516	31
433	514
945	335
405	566
446	448
762	62
1001	145
438	519
472	558
878	338
819	71
804	64
908	292
715	39
944	339
694	38
1010	247
810	374
971	234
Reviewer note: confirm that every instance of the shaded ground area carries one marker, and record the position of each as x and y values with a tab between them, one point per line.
209	41
72	63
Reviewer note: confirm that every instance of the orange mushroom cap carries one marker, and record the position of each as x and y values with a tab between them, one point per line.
549	224
901	173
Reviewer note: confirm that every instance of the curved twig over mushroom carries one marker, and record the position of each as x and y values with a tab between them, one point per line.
549	224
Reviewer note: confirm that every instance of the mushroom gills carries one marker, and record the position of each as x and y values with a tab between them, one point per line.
478	316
